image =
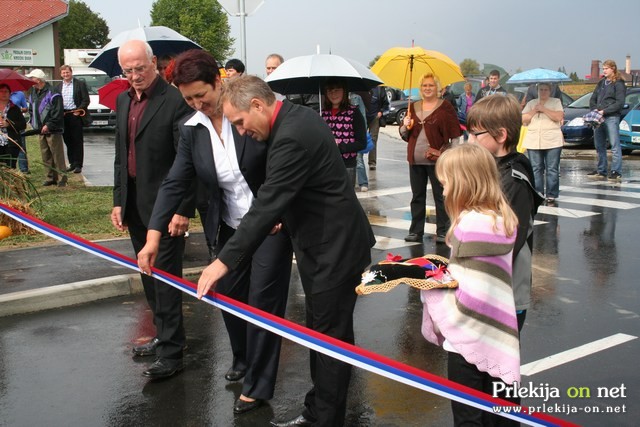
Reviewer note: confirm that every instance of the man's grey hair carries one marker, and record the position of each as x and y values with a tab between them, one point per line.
275	55
240	91
147	50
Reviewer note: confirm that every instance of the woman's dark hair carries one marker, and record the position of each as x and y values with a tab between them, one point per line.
333	82
5	85
236	64
195	65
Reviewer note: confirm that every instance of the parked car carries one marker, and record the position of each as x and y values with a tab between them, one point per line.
630	128
457	88
521	92
398	109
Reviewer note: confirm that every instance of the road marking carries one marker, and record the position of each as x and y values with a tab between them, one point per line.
564	212
598	202
399	223
614	193
385	243
574	354
383	192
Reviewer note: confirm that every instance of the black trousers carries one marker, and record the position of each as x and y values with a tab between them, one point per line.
330	312
419	176
164	300
74	140
264	284
468	374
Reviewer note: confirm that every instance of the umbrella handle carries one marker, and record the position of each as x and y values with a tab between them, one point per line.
80	112
410	125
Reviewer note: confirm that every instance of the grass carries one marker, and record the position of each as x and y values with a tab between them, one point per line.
576	90
76	208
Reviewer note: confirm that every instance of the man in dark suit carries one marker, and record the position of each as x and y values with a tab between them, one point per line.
146	144
75	99
307	187
230	169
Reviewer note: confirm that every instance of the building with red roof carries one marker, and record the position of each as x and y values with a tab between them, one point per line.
29	34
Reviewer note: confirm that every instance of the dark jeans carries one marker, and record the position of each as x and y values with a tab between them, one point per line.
419	176
74	140
23	163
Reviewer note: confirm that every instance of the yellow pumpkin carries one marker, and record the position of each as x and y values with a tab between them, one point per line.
4	232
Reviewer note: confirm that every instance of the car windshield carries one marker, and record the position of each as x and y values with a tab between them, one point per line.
582	102
94	82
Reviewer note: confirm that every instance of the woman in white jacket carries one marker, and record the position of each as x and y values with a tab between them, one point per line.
544	140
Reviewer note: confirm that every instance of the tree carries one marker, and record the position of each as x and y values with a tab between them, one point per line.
203	21
82	28
574	77
374	60
469	67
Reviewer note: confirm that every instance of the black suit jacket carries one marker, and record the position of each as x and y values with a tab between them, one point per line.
156	147
195	159
80	98
307	187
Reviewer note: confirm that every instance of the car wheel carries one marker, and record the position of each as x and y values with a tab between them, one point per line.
400	116
626	152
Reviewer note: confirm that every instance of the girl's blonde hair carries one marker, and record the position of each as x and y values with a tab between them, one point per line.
472	182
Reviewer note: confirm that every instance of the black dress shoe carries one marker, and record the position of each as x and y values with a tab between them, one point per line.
413	237
300	420
70	168
148	349
63	181
78	169
164	368
233	375
242	406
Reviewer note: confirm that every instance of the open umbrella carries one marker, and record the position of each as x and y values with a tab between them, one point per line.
163	41
15	81
108	93
307	74
538	75
402	67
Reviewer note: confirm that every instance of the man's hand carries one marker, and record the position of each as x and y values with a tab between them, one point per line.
44	130
276	229
148	254
116	218
178	226
210	277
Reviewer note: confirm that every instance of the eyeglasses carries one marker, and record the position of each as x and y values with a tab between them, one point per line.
137	70
477	134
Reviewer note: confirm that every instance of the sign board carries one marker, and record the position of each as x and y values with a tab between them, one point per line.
237	7
16	56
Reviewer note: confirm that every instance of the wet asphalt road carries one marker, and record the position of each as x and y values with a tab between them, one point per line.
72	367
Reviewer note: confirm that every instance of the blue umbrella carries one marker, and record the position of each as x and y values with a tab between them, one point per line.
538	75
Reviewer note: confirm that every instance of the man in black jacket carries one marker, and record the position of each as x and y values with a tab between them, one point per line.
47	118
75	100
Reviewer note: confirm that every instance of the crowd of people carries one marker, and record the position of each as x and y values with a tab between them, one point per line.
271	177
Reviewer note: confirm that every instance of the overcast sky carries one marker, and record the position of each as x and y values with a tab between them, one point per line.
509	33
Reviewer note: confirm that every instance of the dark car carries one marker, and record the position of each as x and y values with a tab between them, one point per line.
398	109
574	130
630	127
521	92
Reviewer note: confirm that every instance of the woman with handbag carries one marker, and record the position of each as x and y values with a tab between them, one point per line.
430	127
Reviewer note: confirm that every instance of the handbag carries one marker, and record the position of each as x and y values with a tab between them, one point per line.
370	145
432	154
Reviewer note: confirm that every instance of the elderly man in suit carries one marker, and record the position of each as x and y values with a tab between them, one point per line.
146	144
75	100
306	186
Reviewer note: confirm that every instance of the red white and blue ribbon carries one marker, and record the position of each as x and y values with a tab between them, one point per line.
313	340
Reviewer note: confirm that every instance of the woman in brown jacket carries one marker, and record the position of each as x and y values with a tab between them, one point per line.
430	127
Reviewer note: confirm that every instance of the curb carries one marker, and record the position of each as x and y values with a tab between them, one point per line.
75	293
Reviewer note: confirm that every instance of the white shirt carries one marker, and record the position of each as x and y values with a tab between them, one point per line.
236	194
67	95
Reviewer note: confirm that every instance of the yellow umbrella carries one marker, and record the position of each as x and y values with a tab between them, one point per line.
402	67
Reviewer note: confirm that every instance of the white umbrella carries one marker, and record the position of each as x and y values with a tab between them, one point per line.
307	74
163	41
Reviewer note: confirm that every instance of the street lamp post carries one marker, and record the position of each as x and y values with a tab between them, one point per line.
238	8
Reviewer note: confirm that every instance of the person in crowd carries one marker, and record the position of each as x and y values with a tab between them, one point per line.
12	122
146	142
447	95
346	123
163	64
494	122
362	180
20	100
465	101
231	168
234	68
306	188
608	100
378	104
272	62
75	100
493	87
543	140
47	117
532	93
476	322
430	127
